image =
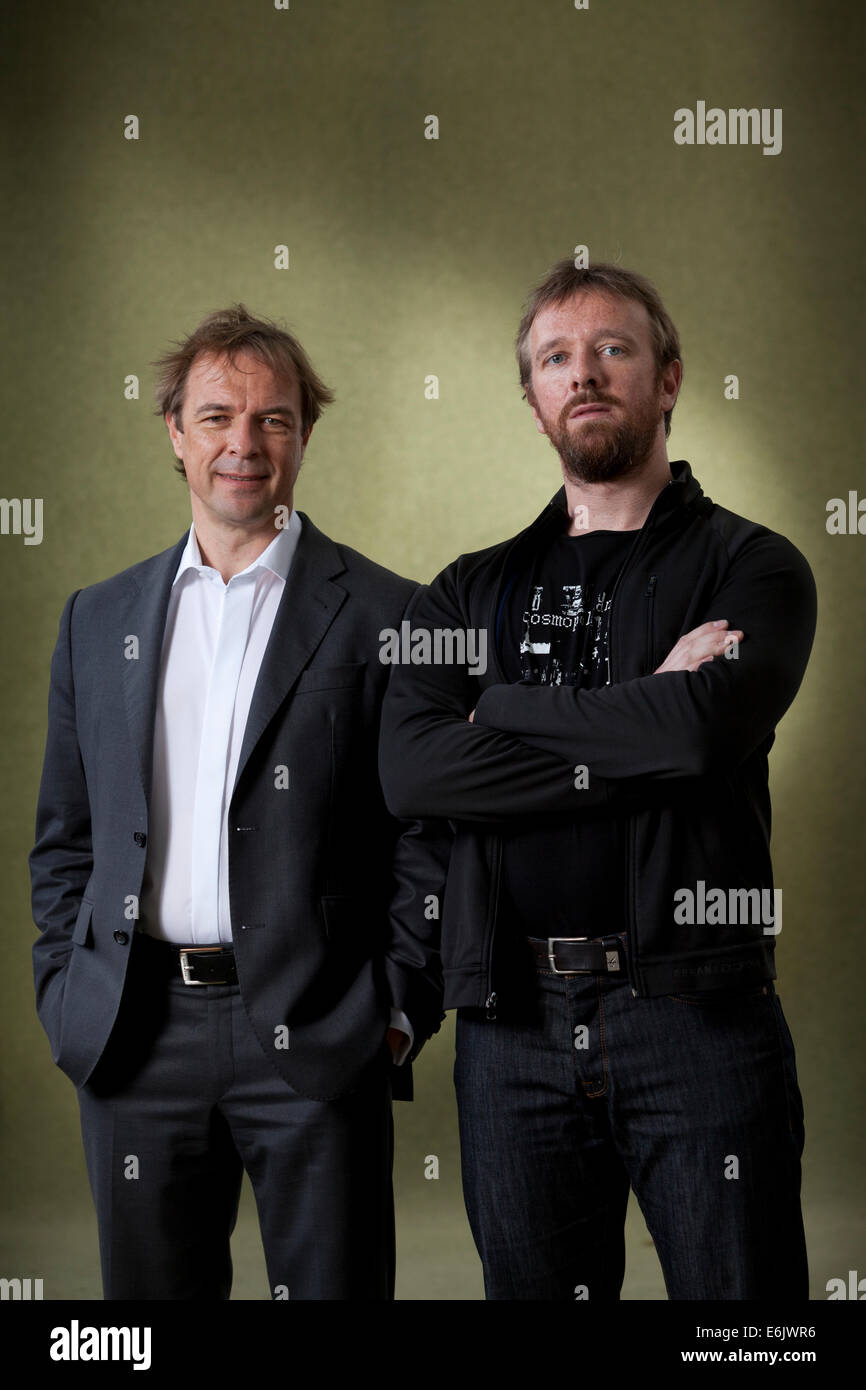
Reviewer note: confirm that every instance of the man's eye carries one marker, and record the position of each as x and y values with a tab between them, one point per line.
611	347
208	418
274	419
553	357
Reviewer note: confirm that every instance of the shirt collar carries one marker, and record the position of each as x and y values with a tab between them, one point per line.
277	557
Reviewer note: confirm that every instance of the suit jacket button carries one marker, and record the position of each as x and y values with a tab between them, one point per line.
121	938
140	838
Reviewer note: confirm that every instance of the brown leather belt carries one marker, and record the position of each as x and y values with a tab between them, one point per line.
577	955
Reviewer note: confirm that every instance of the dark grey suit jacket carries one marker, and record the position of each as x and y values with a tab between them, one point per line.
332	908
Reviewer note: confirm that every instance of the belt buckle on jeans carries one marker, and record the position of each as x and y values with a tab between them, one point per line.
612	960
551	954
185	966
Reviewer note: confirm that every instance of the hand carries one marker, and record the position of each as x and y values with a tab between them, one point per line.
396	1040
701	644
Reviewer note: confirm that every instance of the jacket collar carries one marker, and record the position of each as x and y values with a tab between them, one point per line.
682	490
676	499
276	557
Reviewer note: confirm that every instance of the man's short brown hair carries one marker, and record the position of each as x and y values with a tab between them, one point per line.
226	333
565	279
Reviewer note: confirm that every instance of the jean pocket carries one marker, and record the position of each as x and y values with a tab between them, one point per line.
709	998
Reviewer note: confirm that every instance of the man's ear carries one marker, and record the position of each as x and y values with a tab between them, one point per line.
305	439
535	415
669	384
175	434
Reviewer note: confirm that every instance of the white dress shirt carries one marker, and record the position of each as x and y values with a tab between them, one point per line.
212	649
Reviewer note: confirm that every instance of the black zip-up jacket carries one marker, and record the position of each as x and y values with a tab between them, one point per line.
680	756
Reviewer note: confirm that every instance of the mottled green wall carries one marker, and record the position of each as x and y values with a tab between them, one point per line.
411	256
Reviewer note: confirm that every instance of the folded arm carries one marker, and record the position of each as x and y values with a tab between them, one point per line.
683	723
434	763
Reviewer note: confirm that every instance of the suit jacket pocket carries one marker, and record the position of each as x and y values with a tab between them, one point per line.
82	934
336	909
331	677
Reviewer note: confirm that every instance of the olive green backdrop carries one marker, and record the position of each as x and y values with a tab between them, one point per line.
409	257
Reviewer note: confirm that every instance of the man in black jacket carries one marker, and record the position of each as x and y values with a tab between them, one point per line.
610	918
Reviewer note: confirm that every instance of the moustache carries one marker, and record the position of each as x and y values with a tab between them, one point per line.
584	400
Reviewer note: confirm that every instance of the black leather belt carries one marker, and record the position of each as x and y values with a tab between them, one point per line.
577	955
196	965
208	965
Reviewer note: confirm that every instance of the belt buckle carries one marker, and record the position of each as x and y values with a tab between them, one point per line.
613	958
551	954
185	966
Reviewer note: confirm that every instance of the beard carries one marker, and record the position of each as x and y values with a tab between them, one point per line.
601	450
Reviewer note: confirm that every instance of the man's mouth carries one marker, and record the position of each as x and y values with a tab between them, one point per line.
591	408
243	477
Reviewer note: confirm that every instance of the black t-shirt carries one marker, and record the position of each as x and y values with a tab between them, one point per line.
564	878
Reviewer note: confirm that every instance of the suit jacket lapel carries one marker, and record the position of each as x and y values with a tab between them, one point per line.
310	601
309	604
143	617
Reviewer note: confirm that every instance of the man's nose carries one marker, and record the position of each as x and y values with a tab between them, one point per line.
243	439
585	371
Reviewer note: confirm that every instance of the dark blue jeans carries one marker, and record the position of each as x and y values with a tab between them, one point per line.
692	1100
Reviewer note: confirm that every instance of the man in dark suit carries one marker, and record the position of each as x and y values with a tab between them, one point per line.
237	955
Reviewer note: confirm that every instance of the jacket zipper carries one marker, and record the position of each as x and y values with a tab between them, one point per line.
650	594
492	997
496	864
631	828
631	860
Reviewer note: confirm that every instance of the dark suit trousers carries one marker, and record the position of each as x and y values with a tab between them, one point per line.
181	1102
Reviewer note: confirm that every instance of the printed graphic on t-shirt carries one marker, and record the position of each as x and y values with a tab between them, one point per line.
565	638
565	877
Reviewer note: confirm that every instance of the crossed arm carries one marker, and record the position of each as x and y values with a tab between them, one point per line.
517	755
702	644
